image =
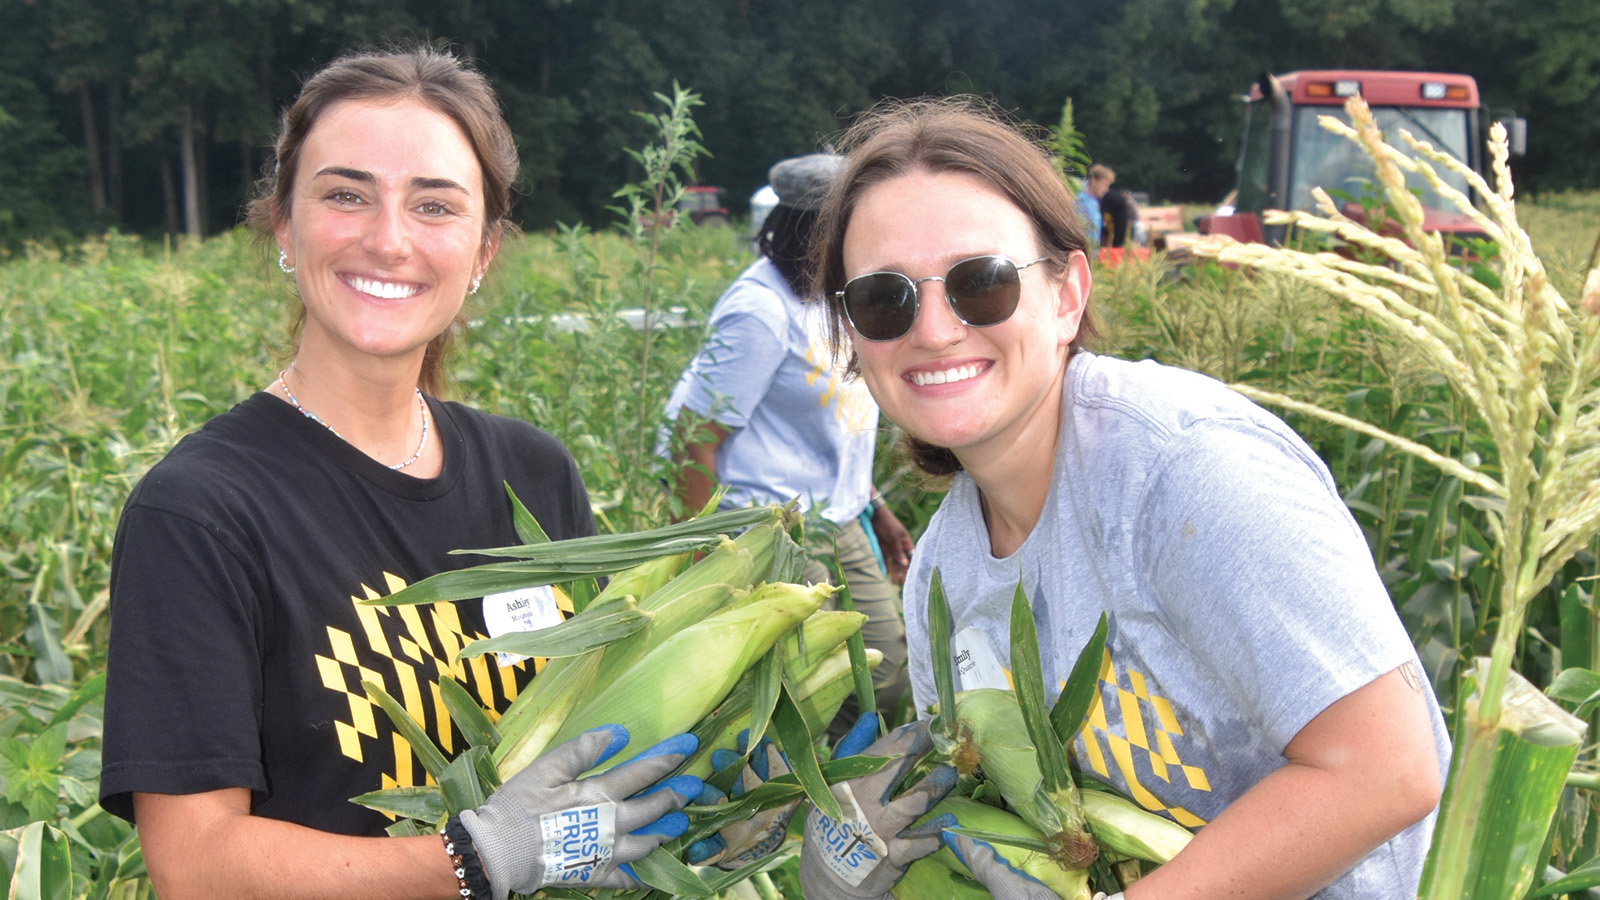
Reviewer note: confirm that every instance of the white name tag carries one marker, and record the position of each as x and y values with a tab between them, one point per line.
577	842
526	610
976	663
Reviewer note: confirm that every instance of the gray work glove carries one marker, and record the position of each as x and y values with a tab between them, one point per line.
755	838
862	856
545	826
1003	880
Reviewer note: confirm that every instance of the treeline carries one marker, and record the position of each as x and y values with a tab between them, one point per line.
154	115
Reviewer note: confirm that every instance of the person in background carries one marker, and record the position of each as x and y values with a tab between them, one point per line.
1120	215
762	410
1094	187
237	729
1257	684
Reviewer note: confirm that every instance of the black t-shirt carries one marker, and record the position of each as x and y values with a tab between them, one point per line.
237	647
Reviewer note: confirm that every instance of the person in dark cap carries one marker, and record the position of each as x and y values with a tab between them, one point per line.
763	410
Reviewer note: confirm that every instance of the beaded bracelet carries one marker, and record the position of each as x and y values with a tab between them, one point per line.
463	855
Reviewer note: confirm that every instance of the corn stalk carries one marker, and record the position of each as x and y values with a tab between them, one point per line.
1528	362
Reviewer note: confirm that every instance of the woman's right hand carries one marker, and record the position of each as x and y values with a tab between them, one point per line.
863	855
546	826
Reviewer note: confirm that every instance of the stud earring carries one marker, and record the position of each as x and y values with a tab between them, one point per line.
283	263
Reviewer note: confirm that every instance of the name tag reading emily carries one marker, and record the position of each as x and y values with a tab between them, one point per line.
577	842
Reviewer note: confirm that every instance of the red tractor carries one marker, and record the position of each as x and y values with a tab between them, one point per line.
1285	152
703	204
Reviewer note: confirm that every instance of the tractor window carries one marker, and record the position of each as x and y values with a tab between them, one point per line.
1324	159
1253	158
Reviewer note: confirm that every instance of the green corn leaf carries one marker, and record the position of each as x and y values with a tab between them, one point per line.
44	865
88	692
795	740
866	695
774	792
944	677
596	626
665	872
527	526
422	802
1038	845
1580	687
1083	686
408	828
586	557
1028	681
767	681
461	785
598	547
468	715
427	751
1583	877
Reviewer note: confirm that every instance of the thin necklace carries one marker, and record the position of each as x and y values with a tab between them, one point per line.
422	405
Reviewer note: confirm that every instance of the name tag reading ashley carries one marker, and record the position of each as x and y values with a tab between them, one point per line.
529	609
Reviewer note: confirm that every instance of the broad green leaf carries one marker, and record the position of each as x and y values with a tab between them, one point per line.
422	802
1580	687
1027	677
44	754
44	865
427	751
1082	687
594	627
944	679
663	871
468	715
795	740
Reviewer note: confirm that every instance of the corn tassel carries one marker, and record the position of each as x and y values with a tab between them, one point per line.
676	684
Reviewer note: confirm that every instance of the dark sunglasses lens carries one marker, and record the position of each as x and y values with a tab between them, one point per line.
985	290
881	306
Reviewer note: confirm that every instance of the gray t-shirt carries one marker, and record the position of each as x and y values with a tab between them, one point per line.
1241	595
797	426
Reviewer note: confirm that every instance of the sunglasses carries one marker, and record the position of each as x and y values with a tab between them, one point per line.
981	291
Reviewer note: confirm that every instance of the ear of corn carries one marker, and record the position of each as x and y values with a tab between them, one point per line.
816	639
1069	884
677	683
818	694
1127	829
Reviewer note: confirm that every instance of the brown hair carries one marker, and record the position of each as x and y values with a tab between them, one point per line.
436	78
956	134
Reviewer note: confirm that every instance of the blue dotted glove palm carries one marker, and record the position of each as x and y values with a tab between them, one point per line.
546	826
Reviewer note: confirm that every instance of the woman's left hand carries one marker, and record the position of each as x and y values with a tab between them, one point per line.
895	542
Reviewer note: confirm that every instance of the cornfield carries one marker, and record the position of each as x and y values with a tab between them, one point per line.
116	347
